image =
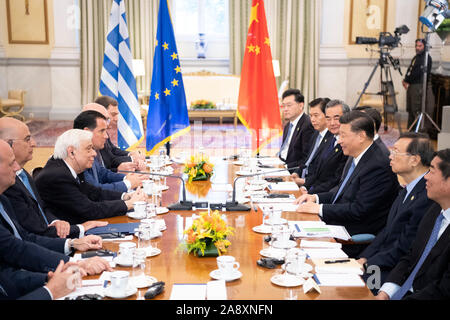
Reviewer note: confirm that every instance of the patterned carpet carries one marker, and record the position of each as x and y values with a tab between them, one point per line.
206	135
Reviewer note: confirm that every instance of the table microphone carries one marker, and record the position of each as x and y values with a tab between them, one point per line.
183	205
234	205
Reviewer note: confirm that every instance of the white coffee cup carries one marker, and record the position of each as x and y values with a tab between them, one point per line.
296	258
275	215
227	265
284	234
140	209
147	185
119	282
126	251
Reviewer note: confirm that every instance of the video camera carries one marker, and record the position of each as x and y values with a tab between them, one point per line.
386	39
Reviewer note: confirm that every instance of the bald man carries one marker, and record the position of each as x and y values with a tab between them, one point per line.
32	213
112	157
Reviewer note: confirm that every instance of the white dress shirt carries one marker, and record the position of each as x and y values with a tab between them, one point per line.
284	152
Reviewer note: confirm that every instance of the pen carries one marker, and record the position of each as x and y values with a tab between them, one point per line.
296	227
337	261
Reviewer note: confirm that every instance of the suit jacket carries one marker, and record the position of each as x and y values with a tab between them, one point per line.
33	252
103	178
76	202
382	146
113	156
300	142
22	285
364	203
322	145
327	169
28	213
395	239
432	281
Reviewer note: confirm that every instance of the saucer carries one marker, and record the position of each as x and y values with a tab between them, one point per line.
262	229
216	274
273	253
133	215
287	280
161	210
238	163
151	252
152	236
118	260
284	244
277	221
306	269
142	282
258	182
128	292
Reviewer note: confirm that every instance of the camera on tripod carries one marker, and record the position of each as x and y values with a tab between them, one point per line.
386	39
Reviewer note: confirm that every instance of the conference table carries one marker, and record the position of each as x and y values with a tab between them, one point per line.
175	266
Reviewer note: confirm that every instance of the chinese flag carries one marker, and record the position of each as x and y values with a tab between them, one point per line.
258	106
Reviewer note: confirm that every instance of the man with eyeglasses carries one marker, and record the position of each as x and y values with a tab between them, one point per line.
410	158
298	131
32	213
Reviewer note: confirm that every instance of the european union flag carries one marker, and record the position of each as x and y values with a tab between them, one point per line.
167	111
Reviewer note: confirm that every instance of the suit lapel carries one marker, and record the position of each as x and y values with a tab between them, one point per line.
296	133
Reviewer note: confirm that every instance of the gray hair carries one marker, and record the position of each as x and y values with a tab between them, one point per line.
336	102
70	138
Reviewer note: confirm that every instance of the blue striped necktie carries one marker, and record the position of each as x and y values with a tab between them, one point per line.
285	142
9	221
349	174
311	156
26	183
431	242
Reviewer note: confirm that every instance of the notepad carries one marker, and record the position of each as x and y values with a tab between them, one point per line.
338	280
343	267
216	290
188	291
314	253
320	244
283	186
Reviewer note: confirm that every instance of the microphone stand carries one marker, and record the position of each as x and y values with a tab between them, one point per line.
183	205
233	205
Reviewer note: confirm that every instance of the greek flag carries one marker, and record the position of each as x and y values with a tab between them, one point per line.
118	81
167	111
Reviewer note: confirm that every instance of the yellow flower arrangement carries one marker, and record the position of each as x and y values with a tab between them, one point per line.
207	235
202	104
198	168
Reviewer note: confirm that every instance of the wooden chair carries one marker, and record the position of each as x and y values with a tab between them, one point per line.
13	106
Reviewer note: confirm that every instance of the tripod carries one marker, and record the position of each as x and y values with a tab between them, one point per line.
387	85
420	120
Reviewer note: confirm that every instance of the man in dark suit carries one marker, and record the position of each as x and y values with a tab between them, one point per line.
26	285
298	131
63	188
113	157
377	119
410	159
362	200
424	272
31	212
326	168
319	140
98	175
23	250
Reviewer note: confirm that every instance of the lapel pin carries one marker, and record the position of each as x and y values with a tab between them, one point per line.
412	198
336	150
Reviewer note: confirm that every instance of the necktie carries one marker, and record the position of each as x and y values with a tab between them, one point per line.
9	221
431	242
94	170
311	156
285	142
349	174
2	291
329	149
26	182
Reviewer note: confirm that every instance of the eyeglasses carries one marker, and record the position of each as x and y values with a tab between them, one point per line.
396	153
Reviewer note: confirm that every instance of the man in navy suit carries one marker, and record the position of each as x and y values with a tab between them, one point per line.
361	201
98	175
326	167
377	119
298	131
32	213
410	159
23	250
424	272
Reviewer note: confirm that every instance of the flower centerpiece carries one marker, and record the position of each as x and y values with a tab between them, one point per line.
202	105
206	237
198	168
